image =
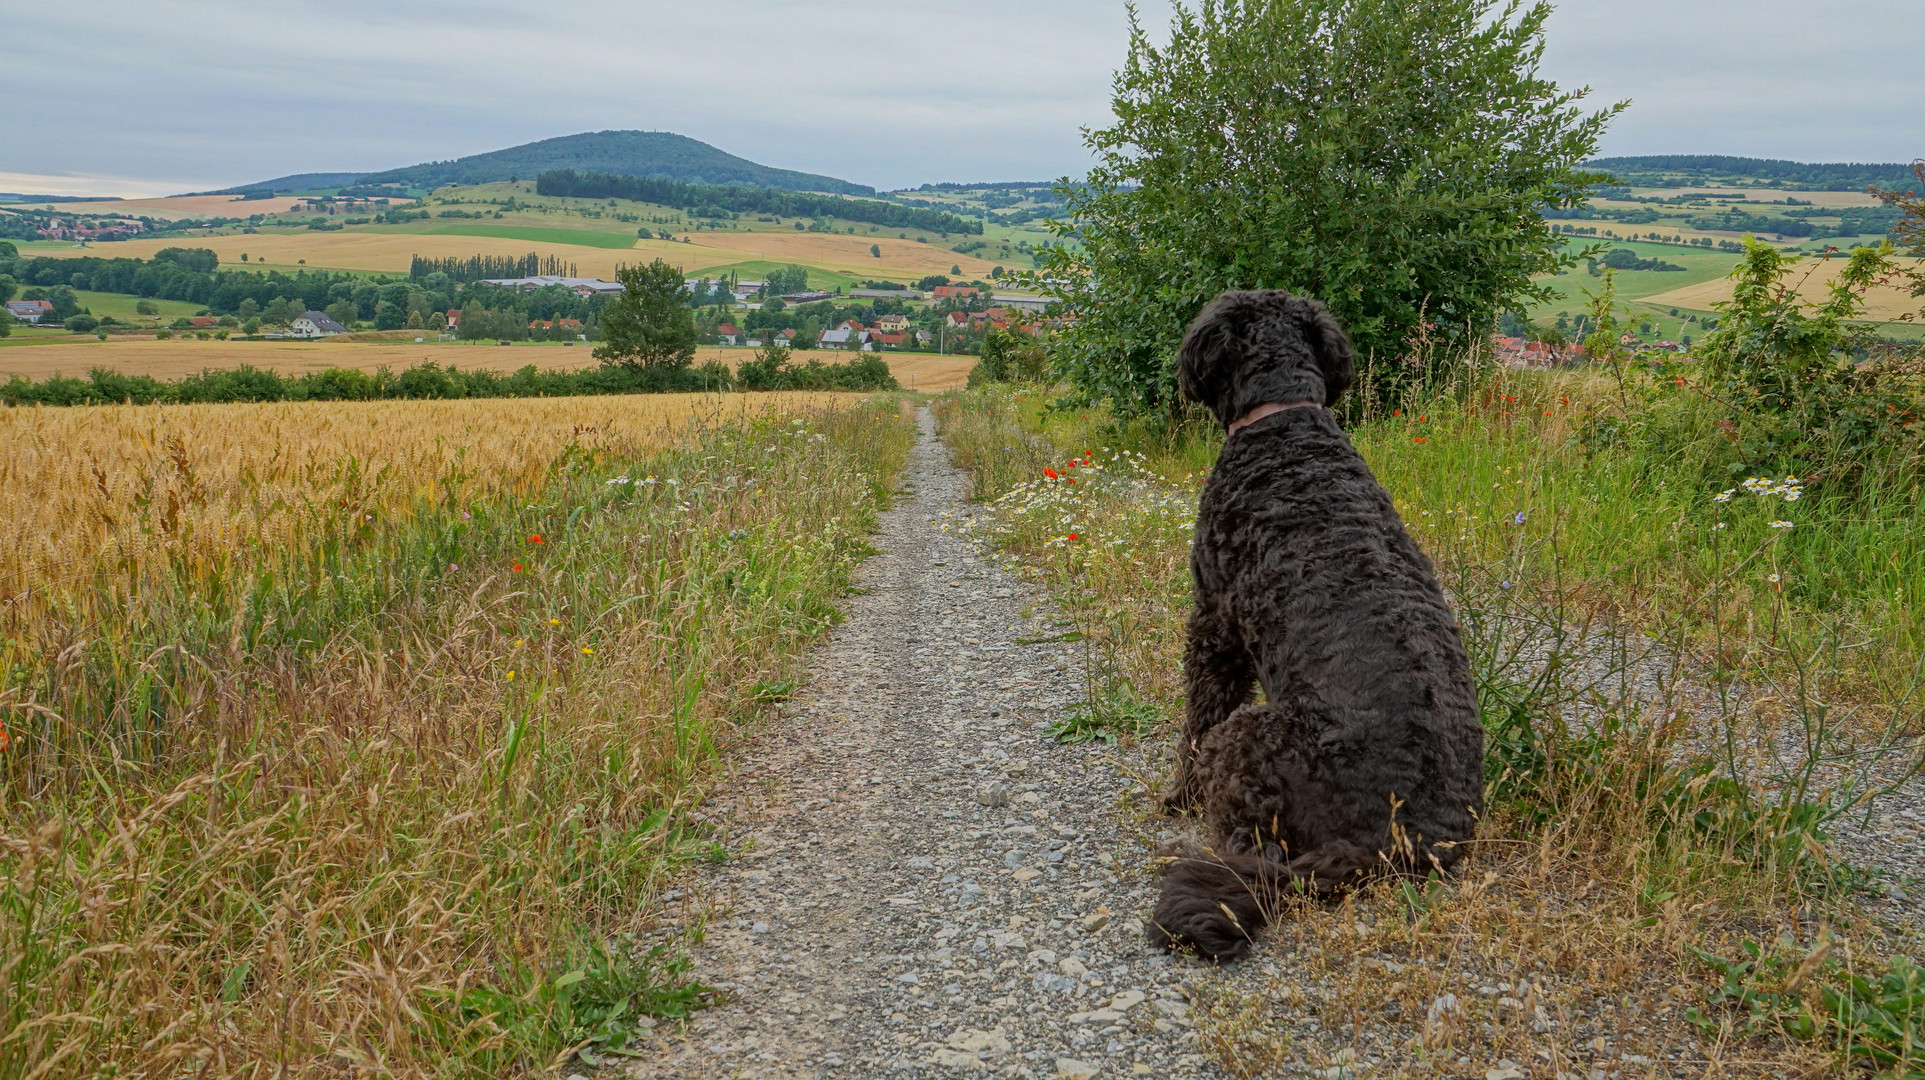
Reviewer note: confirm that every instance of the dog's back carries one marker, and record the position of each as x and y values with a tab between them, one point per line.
1367	755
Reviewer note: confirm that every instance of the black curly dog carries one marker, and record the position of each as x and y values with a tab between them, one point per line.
1366	757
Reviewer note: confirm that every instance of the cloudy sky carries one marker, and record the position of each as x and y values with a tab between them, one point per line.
140	97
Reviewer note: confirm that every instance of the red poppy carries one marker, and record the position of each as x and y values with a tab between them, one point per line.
1072	536
1566	401
1051	473
534	538
1421	419
1420	438
1396	412
517	568
1069	479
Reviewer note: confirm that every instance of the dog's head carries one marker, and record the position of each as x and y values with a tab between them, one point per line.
1246	348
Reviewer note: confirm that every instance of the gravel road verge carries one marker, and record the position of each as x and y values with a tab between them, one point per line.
923	883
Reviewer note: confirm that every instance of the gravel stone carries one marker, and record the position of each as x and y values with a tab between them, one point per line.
921	881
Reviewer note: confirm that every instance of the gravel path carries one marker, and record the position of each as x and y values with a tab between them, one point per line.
924	884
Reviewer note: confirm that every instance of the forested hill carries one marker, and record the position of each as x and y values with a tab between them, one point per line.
659	154
1682	170
282	185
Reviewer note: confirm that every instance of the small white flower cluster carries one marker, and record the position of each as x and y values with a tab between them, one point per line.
1781	524
1790	489
625	479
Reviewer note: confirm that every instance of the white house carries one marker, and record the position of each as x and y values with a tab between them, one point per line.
29	311
315	324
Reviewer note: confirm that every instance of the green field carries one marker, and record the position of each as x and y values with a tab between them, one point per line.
578	237
121	307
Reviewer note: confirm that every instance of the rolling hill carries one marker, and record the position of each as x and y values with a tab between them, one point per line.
307	181
1681	170
658	154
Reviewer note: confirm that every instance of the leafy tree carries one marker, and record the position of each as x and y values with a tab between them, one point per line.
649	325
1389	157
149	308
875	250
7	287
343	312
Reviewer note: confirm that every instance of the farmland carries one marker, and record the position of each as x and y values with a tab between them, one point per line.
75	356
312	671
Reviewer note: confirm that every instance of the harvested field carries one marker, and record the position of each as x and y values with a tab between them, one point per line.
845	252
389	252
1813	277
382	252
175	358
194	206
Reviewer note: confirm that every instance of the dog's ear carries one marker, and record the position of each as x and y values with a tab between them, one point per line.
1201	360
1331	346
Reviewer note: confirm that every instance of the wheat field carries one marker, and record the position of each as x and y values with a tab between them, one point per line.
353	739
117	485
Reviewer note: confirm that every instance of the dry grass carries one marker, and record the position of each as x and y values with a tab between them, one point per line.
1642	806
1813	278
369	766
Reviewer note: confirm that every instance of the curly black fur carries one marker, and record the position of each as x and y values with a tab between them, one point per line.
1366	757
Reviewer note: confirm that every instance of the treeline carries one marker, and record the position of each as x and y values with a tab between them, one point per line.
430	381
191	277
697	198
477	267
1681	170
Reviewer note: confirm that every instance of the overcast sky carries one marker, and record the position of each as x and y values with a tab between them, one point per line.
141	97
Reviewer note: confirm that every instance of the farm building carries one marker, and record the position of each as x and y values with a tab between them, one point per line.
315	324
580	286
893	324
887	294
29	311
728	332
1024	303
842	339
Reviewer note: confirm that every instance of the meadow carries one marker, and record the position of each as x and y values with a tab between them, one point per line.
357	736
1688	694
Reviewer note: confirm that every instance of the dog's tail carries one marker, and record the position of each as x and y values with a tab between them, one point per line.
1215	903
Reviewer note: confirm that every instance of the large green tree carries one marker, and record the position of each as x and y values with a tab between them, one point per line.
649	325
1389	157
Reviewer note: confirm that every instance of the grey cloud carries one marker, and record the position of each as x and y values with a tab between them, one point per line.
204	93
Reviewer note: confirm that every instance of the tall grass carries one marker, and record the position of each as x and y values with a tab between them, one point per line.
1668	743
391	793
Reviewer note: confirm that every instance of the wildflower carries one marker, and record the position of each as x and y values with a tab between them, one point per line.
1781	524
1396	412
511	675
1504	584
1421	419
1069	479
1566	401
1072	536
1773	579
1517	518
452	568
1718	526
466	516
554	622
1051	473
1724	496
517	568
534	538
586	651
519	642
1420	438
